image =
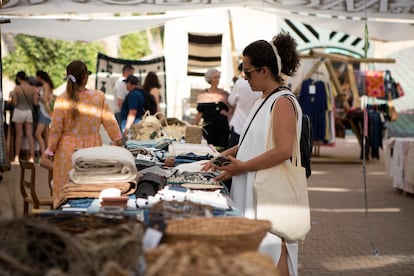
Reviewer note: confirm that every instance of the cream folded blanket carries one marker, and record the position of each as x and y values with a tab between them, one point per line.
106	164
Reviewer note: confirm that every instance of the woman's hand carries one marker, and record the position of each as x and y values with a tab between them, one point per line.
235	167
214	164
208	166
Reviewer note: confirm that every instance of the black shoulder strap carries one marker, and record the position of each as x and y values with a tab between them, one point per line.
280	88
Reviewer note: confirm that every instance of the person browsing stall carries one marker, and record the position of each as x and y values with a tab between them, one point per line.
264	64
23	98
120	91
120	87
133	106
152	85
77	116
213	108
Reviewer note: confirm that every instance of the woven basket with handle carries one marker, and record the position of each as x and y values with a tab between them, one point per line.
231	234
193	134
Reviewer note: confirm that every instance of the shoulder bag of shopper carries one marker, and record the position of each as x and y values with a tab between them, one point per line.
281	194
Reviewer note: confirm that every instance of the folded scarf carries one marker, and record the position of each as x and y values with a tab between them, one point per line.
99	165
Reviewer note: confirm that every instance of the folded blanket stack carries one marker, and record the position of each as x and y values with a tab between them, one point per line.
99	168
106	164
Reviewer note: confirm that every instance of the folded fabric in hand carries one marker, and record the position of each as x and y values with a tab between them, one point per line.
99	165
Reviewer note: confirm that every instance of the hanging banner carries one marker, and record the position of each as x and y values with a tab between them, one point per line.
204	52
109	70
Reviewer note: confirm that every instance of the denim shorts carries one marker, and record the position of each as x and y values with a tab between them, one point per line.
43	119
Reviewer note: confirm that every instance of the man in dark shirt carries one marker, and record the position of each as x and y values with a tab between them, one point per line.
133	106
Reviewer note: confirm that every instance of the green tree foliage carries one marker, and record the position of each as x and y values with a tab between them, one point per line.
35	53
134	46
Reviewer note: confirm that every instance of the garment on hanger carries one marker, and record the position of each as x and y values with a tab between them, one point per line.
375	126
360	81
390	87
374	84
313	101
330	115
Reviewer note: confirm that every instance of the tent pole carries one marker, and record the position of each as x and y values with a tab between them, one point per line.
375	251
233	46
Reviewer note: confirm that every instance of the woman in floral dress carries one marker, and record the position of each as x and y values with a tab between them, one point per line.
77	117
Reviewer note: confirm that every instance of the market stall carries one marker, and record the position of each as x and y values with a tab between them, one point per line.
142	209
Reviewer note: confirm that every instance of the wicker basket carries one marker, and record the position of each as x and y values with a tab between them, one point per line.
193	134
198	258
231	234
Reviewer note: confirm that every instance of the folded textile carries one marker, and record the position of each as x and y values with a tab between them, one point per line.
149	184
189	167
157	144
190	158
176	149
214	199
72	190
106	164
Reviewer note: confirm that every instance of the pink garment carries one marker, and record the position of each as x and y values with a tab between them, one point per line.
67	134
374	84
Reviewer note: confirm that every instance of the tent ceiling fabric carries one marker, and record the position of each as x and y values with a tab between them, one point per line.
388	20
82	30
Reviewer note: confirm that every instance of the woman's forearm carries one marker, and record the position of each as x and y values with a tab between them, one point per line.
130	121
198	118
231	151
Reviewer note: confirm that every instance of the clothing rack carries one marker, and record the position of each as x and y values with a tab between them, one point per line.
326	59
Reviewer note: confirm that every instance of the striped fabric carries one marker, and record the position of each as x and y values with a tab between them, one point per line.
106	66
204	52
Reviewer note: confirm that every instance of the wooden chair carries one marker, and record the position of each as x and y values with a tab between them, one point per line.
28	188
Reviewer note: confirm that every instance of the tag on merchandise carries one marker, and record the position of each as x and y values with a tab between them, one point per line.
312	89
151	239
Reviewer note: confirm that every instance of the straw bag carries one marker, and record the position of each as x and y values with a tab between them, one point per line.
281	194
148	128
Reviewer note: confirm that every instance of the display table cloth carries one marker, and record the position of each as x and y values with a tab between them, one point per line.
399	162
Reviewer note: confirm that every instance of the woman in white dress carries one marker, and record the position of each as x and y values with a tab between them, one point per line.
264	63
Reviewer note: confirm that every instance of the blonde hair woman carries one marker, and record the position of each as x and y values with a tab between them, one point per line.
213	108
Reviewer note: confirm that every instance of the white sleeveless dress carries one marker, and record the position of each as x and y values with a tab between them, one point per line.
242	192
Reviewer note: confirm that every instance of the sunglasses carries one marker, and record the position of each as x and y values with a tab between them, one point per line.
247	72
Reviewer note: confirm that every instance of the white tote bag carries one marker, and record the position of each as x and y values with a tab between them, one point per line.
281	194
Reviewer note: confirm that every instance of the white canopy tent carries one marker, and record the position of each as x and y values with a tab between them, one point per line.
91	20
82	28
88	20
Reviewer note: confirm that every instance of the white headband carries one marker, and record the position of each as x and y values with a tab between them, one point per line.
72	78
279	62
